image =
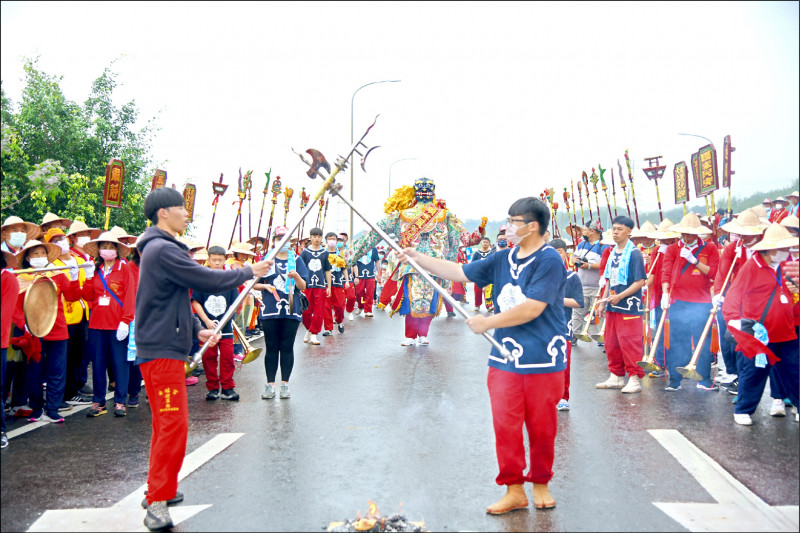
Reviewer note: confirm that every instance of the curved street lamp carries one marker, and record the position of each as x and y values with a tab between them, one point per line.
352	99
390	170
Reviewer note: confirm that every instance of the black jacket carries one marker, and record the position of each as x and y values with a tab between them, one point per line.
165	324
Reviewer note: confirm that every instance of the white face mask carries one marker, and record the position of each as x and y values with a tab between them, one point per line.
511	234
81	241
735	238
17	239
64	245
332	243
38	262
780	256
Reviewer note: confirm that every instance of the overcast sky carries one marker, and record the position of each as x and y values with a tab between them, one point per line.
496	100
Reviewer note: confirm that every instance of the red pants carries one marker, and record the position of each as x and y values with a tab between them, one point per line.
478	291
350	298
417	327
530	399
365	293
334	308
313	316
225	350
565	395
624	339
388	291
165	382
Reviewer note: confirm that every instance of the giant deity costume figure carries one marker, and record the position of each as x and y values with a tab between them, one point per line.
421	221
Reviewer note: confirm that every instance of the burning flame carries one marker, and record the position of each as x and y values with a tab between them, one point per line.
369	521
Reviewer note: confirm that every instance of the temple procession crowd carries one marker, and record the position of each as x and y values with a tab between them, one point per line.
711	299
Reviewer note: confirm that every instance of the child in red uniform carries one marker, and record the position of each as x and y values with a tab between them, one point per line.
340	282
350	294
318	288
8	299
529	298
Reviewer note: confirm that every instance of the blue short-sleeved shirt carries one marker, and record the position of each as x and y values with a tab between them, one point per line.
317	263
632	305
541	344
572	289
477	255
337	273
276	276
366	264
215	306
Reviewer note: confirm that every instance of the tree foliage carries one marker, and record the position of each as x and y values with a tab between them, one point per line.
55	151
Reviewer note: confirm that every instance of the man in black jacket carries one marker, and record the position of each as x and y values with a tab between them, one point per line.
164	328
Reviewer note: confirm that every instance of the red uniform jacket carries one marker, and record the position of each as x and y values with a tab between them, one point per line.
749	294
9	292
71	290
120	281
733	253
686	281
776	216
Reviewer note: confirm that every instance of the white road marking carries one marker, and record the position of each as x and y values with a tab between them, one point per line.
127	514
738	509
30	426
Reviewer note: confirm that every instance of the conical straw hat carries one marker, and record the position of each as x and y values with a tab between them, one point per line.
775	237
790	222
607	238
690	224
53	251
747	223
761	212
663	232
31	230
92	247
50	217
645	231
79	226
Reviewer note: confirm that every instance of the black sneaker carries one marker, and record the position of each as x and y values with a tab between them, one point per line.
158	517
96	409
80	399
212	395
327	333
119	409
64	407
230	394
86	390
177	499
3	440
340	327
451	313
733	387
133	401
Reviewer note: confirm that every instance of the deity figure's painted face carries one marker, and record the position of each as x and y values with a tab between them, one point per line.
424	190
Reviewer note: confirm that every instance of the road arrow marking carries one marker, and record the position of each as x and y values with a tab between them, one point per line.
738	509
127	514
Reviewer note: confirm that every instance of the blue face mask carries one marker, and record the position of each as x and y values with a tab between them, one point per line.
501	243
339	244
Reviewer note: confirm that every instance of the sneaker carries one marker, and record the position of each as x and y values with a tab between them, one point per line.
212	395
733	388
340	327
177	499
742	419
3	440
65	406
451	314
657	374
191	380
368	315
133	402
778	408
20	411
54	419
307	336
358	311
96	409
86	390
237	357
711	388
79	399
119	409
350	317
632	386
158	517
327	333
269	392
285	391
563	405
422	341
672	388
408	342
230	394
613	382
600	345
477	309
313	340
35	416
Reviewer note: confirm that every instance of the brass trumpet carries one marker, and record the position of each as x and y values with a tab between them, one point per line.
648	363
250	353
584	335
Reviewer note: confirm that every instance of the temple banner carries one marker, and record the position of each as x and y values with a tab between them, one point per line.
709	179
726	162
188	198
681	179
115	177
159	179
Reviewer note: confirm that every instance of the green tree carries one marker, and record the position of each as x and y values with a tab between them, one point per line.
54	152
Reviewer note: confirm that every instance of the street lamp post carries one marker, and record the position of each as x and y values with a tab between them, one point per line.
351	141
390	170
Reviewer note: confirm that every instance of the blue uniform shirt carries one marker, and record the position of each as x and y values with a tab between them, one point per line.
632	305
215	306
572	289
541	344
316	261
276	276
477	255
366	264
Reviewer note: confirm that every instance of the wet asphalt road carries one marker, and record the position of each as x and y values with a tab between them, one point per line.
410	427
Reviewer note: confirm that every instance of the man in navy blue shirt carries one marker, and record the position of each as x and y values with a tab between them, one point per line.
624	333
318	289
529	321
365	285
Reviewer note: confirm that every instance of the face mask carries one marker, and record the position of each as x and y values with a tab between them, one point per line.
689	245
38	262
81	241
585	238
108	255
17	239
331	244
64	245
286	248
735	238
780	256
502	243
511	234
339	244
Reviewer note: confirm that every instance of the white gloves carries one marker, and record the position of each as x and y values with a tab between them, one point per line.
718	300
737	324
73	269
662	249
686	254
122	331
665	301
89	269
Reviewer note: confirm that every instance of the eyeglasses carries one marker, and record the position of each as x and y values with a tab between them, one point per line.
523	221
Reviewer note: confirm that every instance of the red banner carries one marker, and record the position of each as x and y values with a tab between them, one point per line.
159	179
115	177
188	198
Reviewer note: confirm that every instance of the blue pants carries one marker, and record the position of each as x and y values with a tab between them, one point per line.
77	357
687	320
134	381
53	365
725	346
107	349
752	380
659	355
3	352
